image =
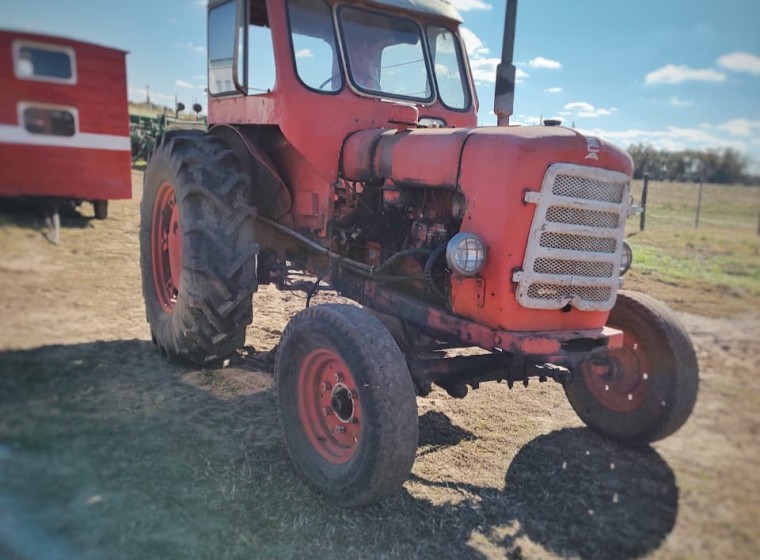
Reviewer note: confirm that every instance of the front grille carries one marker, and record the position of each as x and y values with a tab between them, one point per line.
562	267
576	240
570	242
586	188
591	218
552	291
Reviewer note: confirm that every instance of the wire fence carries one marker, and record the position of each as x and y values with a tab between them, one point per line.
699	206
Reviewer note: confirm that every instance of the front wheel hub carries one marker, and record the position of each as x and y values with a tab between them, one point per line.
330	411
622	383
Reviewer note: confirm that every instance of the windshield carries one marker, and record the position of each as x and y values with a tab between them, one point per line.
385	54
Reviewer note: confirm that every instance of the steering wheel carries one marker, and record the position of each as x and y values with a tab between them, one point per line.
363	80
328	80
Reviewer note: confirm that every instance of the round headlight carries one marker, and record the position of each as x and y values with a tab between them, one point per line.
627	258
466	254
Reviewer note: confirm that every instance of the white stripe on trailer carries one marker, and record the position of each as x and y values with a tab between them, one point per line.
10	134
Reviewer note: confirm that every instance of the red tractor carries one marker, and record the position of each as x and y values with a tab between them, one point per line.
343	143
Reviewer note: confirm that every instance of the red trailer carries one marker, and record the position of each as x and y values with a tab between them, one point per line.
64	120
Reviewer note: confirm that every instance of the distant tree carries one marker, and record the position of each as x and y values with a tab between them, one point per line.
727	166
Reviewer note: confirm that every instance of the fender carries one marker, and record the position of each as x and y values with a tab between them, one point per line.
269	193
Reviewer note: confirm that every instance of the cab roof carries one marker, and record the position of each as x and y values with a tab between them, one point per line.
440	8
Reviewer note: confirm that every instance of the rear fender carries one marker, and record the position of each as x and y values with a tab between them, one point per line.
269	193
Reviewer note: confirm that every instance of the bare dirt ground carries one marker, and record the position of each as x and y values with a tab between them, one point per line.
108	451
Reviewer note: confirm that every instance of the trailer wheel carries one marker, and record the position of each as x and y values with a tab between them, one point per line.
197	248
649	387
347	404
101	209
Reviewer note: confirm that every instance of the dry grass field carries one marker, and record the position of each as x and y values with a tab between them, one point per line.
107	451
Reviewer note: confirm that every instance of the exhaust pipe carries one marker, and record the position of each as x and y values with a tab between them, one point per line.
504	100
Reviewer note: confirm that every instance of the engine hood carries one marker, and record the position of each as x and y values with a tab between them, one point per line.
437	157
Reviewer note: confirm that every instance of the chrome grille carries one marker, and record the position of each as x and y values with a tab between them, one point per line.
589	189
591	218
552	292
574	268
570	242
576	239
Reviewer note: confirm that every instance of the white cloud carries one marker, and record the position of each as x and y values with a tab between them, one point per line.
676	101
191	46
673	74
671	138
541	62
553	90
740	127
741	62
183	84
583	109
482	65
484	69
304	53
473	43
469	5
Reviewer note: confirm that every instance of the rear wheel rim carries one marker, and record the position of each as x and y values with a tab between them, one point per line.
622	385
328	406
166	247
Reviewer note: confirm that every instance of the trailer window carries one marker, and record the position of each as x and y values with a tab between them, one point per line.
313	40
54	122
50	63
450	76
385	54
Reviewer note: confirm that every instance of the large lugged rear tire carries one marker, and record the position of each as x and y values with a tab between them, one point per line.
649	388
197	248
347	404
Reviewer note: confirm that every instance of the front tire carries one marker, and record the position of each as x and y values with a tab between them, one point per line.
197	248
347	404
648	388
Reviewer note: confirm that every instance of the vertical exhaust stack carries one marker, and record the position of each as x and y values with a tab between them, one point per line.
504	100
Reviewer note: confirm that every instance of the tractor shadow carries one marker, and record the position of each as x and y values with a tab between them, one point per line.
109	451
576	495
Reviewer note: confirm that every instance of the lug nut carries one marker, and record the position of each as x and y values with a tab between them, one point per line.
326	386
339	429
338	377
326	411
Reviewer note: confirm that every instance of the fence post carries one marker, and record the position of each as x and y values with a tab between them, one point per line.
643	218
699	202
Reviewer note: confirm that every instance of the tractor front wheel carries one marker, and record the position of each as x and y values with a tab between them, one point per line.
646	390
197	248
347	404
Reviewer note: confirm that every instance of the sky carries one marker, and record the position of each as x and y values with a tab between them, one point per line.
676	74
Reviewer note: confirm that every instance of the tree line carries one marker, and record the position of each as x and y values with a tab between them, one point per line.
726	166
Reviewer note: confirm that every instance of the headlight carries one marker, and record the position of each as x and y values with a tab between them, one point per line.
466	254
627	258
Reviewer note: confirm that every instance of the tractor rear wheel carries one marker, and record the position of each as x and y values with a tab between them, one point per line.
347	404
197	248
648	388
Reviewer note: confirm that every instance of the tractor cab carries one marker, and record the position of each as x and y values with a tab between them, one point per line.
364	65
